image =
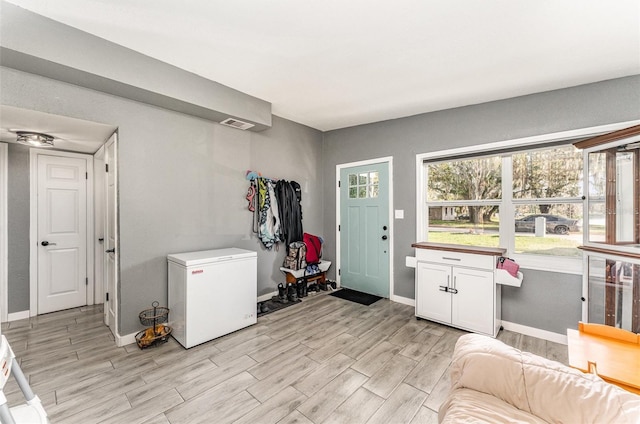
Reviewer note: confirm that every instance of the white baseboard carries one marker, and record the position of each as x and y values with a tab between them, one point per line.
17	315
403	300
535	332
125	340
131	338
267	296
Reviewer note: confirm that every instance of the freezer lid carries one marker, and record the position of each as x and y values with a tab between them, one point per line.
210	256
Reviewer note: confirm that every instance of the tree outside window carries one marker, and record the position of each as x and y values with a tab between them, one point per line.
546	183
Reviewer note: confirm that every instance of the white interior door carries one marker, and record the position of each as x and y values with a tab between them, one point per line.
99	198
4	290
111	234
62	233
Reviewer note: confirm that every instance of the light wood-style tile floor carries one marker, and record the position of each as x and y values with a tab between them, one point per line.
325	360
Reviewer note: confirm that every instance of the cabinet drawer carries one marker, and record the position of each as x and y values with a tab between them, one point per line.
456	258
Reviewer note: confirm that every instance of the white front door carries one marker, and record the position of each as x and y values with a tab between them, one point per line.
61	233
111	234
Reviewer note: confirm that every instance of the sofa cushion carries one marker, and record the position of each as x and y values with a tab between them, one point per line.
549	390
466	405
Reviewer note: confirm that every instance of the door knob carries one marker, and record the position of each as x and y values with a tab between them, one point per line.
46	243
384	237
111	250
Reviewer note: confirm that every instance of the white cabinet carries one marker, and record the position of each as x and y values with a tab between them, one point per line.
472	303
455	285
433	301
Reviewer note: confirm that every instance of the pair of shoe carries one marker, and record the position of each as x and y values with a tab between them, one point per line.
324	285
263	308
282	294
292	293
301	287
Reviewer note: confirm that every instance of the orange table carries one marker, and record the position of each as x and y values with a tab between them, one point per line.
614	352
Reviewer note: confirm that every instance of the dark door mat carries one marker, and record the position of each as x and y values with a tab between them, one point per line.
356	296
273	305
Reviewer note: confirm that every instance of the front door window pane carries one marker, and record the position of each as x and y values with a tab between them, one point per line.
364	185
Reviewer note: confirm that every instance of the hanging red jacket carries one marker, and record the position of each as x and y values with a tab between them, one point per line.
314	248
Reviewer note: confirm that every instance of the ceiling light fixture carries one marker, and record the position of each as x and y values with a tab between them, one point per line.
35	139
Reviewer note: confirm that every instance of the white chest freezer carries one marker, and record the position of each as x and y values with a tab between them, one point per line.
211	293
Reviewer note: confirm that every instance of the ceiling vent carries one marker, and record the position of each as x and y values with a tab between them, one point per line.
235	123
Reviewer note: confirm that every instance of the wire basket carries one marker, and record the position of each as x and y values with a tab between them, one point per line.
158	332
155	316
153	336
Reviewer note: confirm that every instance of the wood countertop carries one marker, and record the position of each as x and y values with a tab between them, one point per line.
607	250
476	250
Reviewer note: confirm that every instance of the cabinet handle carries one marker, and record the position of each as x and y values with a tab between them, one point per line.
444	288
453	291
451	259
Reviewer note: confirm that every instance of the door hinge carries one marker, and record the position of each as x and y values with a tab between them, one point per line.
86	281
106	167
338	227
339	272
86	175
338	183
107	297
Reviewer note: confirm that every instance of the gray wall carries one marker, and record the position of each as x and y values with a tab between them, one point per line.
573	108
18	234
182	182
545	300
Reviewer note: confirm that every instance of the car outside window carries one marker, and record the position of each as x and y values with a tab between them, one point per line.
465	196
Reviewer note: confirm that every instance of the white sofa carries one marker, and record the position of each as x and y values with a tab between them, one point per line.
493	382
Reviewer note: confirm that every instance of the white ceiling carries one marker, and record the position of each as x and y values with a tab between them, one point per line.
336	63
70	134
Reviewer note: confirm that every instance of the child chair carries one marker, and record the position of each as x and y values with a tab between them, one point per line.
30	412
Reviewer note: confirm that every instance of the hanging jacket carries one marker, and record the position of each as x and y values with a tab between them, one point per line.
290	212
269	221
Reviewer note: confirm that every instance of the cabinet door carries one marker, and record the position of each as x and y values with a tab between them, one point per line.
431	301
472	305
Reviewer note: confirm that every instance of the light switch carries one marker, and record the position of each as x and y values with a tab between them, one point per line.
399	213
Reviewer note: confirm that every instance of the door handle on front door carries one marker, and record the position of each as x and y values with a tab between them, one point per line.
384	237
46	243
111	250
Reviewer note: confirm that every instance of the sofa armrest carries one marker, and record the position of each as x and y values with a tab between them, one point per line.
544	388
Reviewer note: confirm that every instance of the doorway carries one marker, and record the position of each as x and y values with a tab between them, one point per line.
364	232
4	295
110	246
61	228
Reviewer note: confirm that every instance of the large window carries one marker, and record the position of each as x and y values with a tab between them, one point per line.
528	201
463	198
